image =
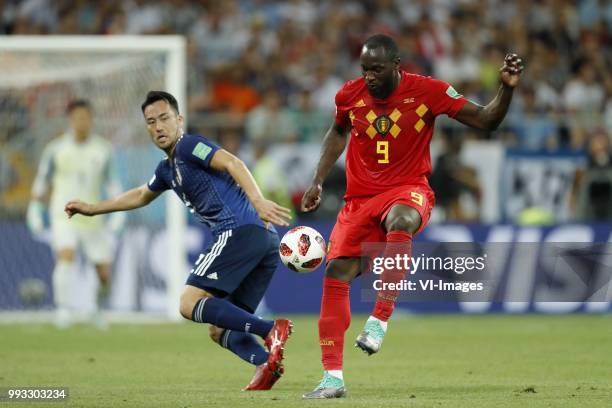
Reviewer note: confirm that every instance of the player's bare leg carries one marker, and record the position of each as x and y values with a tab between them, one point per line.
104	271
401	222
63	274
231	327
334	320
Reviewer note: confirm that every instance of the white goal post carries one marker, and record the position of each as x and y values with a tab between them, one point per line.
173	49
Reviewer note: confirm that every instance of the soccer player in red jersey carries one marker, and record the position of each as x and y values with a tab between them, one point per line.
390	114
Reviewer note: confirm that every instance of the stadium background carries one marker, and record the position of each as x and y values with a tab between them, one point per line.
261	79
261	82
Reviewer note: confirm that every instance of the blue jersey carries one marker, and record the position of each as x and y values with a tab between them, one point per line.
212	196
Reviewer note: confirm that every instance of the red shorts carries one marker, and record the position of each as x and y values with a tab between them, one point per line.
361	219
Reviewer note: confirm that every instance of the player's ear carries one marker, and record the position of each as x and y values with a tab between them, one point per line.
396	63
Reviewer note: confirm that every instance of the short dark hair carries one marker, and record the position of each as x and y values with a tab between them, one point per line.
384	41
154	96
78	103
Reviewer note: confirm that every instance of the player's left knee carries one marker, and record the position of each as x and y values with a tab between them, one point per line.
408	222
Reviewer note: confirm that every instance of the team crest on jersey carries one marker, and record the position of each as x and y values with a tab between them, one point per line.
382	124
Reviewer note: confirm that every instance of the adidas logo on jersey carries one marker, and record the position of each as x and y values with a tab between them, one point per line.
213	276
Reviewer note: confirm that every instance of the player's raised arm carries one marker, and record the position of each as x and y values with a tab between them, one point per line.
131	199
333	146
490	116
267	210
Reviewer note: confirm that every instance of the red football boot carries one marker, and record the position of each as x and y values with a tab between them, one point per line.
264	378
275	342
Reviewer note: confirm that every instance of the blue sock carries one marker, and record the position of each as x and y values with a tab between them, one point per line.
245	346
221	313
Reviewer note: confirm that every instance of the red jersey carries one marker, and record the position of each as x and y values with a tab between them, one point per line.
389	142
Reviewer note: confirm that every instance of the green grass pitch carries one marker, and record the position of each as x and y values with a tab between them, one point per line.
426	361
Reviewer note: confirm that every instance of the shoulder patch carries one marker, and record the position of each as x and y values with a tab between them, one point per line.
201	151
450	91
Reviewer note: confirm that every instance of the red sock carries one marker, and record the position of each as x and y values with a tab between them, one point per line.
398	243
334	321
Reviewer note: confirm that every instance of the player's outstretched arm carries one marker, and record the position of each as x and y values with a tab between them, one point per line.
333	146
489	117
134	198
267	210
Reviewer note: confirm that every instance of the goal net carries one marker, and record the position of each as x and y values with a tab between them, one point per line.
40	75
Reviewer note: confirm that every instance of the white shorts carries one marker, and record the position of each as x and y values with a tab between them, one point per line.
97	244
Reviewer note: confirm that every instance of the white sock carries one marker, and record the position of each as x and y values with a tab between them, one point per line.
336	373
62	284
382	324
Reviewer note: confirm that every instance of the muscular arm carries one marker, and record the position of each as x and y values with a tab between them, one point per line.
225	161
489	117
333	146
131	199
266	209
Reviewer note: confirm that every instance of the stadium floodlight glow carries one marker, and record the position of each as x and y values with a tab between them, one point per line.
33	62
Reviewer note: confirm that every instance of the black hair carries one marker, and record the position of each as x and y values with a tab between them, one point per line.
384	41
154	96
78	103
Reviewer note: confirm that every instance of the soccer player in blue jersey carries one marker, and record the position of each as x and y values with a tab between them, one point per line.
223	289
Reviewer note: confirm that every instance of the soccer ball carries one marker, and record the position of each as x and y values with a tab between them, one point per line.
302	249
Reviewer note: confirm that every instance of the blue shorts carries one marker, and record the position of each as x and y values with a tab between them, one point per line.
238	265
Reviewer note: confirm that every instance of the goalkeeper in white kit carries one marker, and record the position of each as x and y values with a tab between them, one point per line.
76	164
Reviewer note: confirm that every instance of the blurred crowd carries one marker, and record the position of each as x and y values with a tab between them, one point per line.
265	63
267	71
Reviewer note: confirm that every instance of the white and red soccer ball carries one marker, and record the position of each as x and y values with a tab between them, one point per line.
302	249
